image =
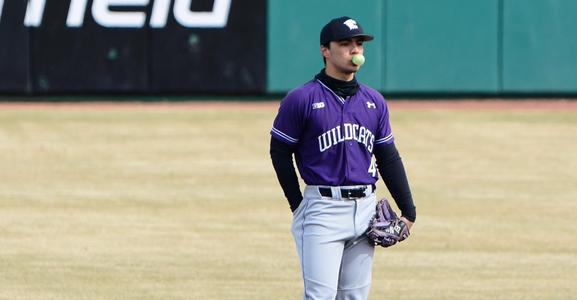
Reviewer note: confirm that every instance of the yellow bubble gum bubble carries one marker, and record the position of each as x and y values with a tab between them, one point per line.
358	59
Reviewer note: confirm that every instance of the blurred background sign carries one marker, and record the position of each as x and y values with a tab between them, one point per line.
132	46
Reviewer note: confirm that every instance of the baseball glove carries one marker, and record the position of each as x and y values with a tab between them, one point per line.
385	228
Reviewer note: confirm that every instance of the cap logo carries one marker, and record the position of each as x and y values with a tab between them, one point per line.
352	24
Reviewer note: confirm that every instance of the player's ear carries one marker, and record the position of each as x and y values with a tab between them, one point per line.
325	51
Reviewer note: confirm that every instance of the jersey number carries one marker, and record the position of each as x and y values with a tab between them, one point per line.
373	168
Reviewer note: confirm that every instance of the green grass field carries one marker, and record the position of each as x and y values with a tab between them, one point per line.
182	203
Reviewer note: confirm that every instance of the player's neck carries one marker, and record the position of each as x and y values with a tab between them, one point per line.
332	72
340	87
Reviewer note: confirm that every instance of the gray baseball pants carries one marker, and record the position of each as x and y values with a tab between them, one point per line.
336	258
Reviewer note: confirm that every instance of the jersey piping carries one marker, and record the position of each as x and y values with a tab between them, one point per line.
326	87
385	139
284	136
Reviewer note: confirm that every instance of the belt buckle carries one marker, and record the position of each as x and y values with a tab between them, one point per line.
347	194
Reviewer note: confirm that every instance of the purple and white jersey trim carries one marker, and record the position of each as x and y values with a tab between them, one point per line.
328	89
284	136
386	139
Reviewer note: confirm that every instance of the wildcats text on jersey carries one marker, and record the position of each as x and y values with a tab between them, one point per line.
347	132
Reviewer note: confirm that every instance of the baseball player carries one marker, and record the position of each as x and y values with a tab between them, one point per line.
333	125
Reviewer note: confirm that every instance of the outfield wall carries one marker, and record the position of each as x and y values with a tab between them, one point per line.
493	47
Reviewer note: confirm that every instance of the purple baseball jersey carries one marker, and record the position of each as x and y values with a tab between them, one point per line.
334	137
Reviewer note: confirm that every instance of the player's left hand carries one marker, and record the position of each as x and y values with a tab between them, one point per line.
409	223
386	229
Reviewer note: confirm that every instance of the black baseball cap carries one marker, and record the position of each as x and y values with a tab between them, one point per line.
341	29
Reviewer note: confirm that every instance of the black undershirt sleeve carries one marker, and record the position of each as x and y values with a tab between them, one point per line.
393	173
281	155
